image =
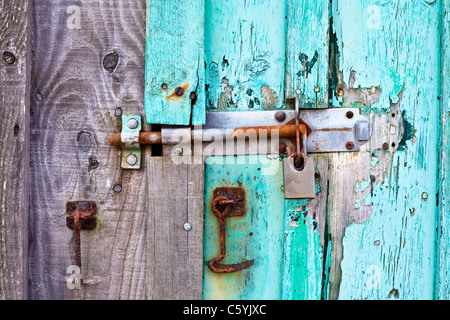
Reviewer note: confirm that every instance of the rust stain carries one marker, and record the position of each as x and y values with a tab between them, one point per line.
176	97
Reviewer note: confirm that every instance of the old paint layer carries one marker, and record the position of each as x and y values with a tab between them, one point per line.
174	62
245	54
257	235
280	235
390	255
442	278
307	52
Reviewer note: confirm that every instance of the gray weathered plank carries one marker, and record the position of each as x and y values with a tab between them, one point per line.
174	255
71	158
14	146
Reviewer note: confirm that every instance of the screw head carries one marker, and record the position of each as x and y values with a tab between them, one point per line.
349	145
340	92
187	226
164	86
118	112
132	123
280	116
9	57
192	95
131	159
316	89
349	114
179	91
38	97
117	188
385	146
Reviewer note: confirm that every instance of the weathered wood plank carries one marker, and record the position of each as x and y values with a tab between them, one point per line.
257	235
304	243
442	286
307	52
88	60
14	147
245	53
382	203
174	60
174	255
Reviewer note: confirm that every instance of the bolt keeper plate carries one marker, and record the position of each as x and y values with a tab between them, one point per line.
131	151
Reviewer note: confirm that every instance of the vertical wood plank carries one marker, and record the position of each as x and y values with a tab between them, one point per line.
245	53
383	202
14	147
174	255
304	242
175	59
88	60
307	52
442	282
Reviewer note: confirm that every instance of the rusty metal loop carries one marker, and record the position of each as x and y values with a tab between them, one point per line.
214	264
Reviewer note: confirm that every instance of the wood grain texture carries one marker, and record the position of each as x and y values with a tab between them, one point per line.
174	255
304	242
442	280
175	58
71	158
307	52
383	202
245	48
14	147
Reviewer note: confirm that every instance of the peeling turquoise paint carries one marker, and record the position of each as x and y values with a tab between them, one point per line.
278	234
392	254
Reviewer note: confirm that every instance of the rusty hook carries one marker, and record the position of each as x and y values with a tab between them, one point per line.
214	264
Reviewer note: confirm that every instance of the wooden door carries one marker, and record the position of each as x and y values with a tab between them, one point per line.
378	227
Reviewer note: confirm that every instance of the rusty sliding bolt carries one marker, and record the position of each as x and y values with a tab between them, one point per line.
80	217
227	202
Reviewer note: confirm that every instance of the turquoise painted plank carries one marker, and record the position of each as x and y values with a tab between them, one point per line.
282	240
174	58
307	52
302	272
258	235
442	285
395	45
245	50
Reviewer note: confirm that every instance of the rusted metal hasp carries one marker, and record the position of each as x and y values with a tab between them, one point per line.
80	217
227	202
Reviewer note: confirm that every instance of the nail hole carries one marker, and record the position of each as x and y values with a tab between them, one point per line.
110	61
9	57
393	144
16	130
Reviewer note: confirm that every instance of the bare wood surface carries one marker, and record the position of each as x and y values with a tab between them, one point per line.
175	255
79	77
14	147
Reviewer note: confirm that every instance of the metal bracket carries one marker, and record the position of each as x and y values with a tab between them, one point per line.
332	130
328	130
129	138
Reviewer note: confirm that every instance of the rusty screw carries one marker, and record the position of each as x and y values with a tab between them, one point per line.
164	86
349	145
179	91
349	114
9	57
280	116
385	146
